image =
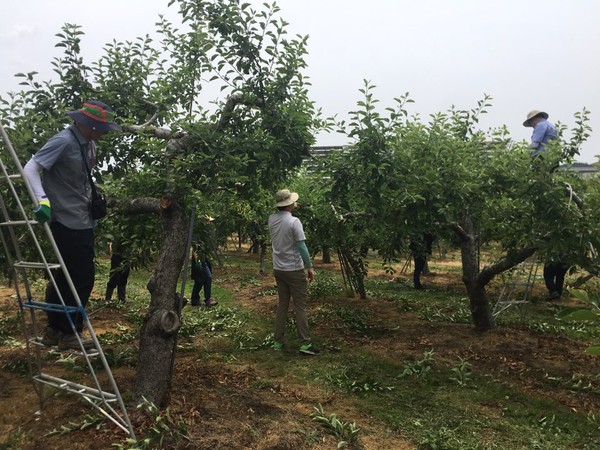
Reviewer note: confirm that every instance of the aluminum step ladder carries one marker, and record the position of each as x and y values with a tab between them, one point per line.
26	244
518	285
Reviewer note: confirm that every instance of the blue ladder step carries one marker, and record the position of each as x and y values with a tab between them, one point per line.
53	307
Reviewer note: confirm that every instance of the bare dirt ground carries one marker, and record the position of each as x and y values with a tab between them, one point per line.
227	407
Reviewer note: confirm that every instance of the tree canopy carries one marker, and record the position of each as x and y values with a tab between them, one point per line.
223	156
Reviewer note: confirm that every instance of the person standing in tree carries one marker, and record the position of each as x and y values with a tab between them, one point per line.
543	131
64	197
290	258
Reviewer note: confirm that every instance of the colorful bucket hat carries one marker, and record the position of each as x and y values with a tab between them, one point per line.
97	115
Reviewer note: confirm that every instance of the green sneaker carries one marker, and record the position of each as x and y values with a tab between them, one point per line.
309	349
277	345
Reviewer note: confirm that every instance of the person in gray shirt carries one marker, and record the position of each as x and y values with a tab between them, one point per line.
64	195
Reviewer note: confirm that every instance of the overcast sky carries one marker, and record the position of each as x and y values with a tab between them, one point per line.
527	54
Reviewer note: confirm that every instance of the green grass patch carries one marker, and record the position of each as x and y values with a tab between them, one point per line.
440	305
436	406
434	403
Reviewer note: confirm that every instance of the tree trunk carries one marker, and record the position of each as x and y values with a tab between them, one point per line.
263	253
358	268
478	298
326	255
476	279
354	271
161	323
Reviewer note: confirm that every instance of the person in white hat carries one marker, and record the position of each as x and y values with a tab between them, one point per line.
290	258
543	131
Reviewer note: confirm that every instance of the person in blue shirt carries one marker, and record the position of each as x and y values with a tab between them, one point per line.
543	131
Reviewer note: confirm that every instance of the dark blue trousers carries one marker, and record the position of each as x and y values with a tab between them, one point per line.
77	250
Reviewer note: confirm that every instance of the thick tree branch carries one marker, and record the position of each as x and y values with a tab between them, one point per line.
159	132
460	231
232	102
154	116
141	205
167	134
509	261
162	133
573	196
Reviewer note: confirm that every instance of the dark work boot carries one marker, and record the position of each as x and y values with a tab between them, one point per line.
121	293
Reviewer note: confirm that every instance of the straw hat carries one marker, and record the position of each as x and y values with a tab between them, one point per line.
532	114
285	198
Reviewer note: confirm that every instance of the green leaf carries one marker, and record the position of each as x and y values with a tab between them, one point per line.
593	350
580	294
580	314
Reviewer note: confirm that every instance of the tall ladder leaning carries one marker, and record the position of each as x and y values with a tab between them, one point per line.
103	394
518	285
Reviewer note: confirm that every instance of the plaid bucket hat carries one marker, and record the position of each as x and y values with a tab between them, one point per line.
95	114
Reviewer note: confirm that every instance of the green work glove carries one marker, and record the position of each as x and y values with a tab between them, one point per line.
43	212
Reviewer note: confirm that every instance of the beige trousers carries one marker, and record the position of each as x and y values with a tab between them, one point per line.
292	284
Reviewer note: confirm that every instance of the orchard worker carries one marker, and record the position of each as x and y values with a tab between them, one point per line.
543	131
554	278
420	248
64	196
119	272
202	276
290	258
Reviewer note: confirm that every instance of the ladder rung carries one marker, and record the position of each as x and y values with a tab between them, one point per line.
53	307
76	388
11	177
37	341
36	265
13	223
512	302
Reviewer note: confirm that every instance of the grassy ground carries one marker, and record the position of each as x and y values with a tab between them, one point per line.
403	369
